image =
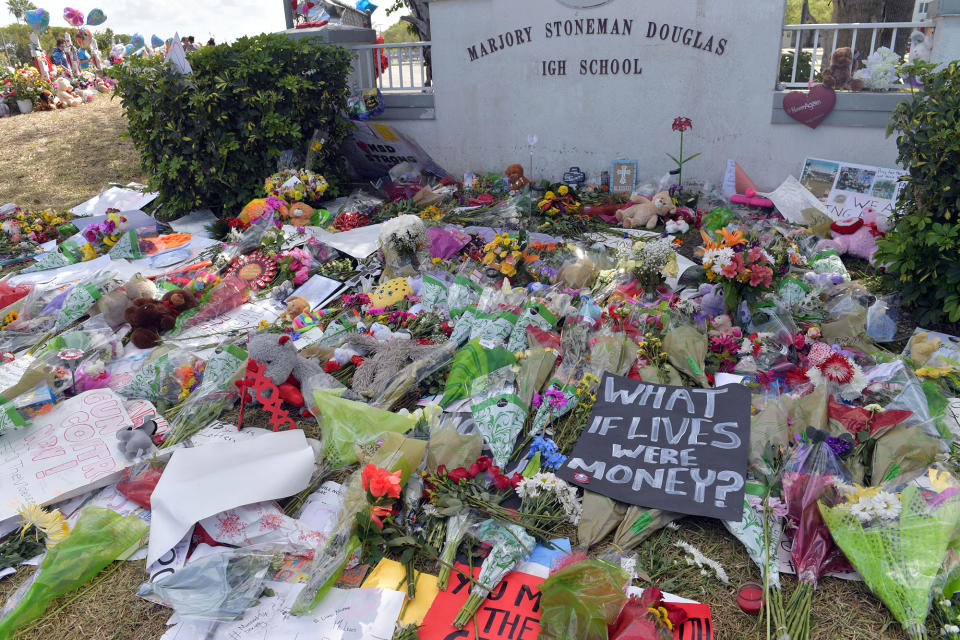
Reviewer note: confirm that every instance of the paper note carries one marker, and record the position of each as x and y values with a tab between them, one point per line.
194	223
114	198
729	187
243	318
68	451
390	574
11	372
203	481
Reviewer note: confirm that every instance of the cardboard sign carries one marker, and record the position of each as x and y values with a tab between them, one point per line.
511	612
69	450
847	189
675	448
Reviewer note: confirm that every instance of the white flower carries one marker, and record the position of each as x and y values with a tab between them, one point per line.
886	505
951	628
861	510
718	258
695	556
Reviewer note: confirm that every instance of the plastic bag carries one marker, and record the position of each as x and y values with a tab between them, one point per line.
139	487
470	363
882	318
97	539
226	296
345	423
898	538
220	586
580	599
11	293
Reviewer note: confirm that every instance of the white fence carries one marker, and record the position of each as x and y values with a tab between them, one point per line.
397	67
807	47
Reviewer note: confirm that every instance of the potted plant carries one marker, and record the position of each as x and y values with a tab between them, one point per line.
26	85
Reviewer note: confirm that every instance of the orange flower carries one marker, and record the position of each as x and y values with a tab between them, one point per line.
731	239
380	482
379	512
708	243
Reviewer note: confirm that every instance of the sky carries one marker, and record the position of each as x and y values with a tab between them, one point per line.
202	19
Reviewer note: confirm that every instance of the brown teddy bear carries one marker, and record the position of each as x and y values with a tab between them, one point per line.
47	101
148	318
179	300
837	75
646	213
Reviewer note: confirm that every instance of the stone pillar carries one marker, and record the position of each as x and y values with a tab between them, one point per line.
946	37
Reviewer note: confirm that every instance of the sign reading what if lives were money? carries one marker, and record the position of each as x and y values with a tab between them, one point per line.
679	449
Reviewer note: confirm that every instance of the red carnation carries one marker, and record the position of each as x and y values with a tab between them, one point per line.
357	361
331	366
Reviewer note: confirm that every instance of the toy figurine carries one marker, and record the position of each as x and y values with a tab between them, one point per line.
515	177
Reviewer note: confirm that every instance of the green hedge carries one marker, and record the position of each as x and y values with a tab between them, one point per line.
922	252
210	138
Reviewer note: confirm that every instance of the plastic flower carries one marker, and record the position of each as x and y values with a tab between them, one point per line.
50	523
380	482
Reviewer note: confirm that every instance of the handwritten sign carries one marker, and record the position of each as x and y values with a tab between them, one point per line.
848	189
511	612
675	448
70	449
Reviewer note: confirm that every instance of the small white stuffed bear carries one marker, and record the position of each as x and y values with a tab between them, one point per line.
65	93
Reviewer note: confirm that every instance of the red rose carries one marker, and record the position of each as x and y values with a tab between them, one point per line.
459	474
474	470
442	470
501	482
484	462
331	366
515	480
357	361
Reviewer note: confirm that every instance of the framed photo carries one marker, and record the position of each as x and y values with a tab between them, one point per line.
623	176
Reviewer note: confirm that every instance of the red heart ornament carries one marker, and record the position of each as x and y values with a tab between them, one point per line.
812	107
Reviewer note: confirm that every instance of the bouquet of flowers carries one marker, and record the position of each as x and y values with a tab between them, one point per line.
26	83
812	473
508	254
294	265
510	545
559	203
103	236
544	494
897	536
651	261
301	185
744	270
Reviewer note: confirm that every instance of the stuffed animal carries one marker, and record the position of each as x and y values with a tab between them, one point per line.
87	95
838	75
114	303
65	93
383	359
857	237
282	364
677	226
646	213
921	347
137	441
300	214
295	306
148	317
179	300
515	177
712	301
47	101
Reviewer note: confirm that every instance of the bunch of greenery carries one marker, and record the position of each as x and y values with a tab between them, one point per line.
920	252
210	138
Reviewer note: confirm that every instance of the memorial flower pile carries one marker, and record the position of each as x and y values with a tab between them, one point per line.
452	367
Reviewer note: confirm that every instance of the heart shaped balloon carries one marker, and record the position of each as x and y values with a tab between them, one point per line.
38	19
73	17
156	41
84	37
128	49
95	17
137	41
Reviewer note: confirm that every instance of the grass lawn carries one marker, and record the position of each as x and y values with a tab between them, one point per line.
58	159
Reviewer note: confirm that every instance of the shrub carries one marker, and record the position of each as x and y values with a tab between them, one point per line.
210	138
922	251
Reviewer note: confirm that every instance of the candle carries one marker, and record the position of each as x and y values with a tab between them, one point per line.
750	598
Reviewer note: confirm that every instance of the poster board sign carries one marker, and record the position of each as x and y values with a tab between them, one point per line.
70	449
846	189
679	449
372	149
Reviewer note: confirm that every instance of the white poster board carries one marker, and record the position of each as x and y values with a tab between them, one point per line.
846	189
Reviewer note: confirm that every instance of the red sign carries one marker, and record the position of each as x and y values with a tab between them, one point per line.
810	108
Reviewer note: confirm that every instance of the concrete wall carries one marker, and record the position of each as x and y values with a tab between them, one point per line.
487	106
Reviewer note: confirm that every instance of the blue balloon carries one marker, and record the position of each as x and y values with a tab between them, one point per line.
95	17
137	41
38	19
155	41
129	49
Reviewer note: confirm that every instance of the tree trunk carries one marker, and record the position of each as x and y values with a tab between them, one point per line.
871	11
420	19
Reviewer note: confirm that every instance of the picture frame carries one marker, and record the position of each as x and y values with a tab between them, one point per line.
623	176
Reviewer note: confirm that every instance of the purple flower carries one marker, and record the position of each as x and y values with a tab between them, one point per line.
839	446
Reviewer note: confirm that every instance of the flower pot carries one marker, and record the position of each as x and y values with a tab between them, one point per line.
25	106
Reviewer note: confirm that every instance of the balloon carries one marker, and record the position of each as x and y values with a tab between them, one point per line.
95	17
84	37
118	51
73	17
155	41
127	50
137	41
38	19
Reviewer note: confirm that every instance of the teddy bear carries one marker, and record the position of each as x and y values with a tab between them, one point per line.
179	300
712	301
278	359
857	237
65	93
47	101
148	317
837	75
921	347
299	214
295	306
515	177
114	303
646	213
